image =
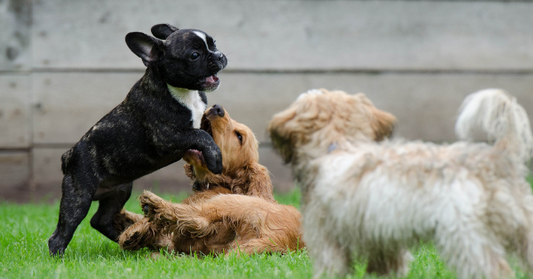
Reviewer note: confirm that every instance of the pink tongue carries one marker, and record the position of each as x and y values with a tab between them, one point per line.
193	154
212	79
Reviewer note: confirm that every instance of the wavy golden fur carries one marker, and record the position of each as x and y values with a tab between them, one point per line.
369	198
233	211
241	173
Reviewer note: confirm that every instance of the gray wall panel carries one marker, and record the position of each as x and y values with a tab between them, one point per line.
282	35
15	111
64	64
15	22
426	105
47	176
15	182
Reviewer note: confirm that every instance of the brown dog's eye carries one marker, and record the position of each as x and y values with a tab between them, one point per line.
239	136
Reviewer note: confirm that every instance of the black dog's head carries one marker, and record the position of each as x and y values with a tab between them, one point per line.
185	58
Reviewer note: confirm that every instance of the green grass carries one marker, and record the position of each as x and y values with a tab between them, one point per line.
24	253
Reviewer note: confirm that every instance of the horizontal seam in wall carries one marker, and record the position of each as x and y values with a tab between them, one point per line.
16	149
296	71
53	145
265	144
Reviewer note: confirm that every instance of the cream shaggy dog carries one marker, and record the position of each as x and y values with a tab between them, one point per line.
364	197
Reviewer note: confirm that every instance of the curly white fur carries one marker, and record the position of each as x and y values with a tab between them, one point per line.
500	116
375	200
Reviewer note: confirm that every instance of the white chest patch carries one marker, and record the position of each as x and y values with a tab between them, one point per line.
190	99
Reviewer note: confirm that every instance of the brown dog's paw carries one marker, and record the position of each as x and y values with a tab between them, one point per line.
171	217
131	238
148	211
124	219
130	241
150	203
139	235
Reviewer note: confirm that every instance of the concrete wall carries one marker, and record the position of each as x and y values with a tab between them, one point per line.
64	64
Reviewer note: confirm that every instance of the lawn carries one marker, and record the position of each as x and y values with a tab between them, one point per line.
24	253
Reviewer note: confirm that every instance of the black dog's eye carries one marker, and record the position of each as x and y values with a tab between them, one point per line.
194	56
239	136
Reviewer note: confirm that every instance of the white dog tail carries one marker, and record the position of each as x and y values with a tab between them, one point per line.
498	114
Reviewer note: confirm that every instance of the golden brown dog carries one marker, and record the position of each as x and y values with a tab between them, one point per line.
372	199
232	211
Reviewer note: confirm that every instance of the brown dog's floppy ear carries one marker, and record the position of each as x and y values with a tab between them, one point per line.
148	48
189	171
163	30
383	124
259	183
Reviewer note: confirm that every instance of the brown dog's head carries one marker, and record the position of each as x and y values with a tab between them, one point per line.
241	172
320	119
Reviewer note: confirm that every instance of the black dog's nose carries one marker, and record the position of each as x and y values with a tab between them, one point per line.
218	110
221	57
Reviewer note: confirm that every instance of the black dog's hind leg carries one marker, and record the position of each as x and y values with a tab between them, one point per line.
75	203
108	207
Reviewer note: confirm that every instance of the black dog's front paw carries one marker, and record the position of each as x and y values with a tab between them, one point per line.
213	161
215	168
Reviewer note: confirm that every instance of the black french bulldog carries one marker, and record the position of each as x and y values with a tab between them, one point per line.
152	128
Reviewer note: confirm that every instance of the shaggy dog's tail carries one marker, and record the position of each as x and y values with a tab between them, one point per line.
498	114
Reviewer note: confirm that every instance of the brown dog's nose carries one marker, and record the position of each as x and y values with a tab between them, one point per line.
218	110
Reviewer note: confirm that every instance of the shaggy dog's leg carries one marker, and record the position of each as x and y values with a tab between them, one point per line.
526	254
389	262
473	254
524	232
329	256
331	259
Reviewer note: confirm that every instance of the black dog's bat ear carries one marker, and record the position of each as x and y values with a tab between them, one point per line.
163	30
148	48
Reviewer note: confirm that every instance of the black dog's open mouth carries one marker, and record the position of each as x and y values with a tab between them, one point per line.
194	157
212	79
211	83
